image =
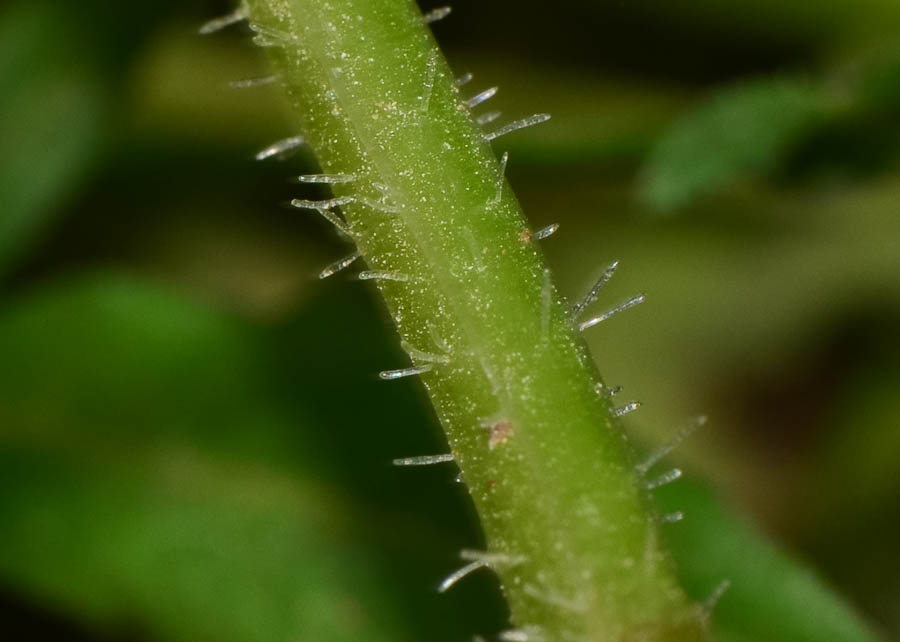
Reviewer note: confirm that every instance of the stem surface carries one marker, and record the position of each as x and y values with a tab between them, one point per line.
565	515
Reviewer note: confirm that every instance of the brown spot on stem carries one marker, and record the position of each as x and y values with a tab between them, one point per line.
499	433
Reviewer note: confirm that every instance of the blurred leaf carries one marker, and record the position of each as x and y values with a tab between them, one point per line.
51	116
744	129
188	549
772	598
131	487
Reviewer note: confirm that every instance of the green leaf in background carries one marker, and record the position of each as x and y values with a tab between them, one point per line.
137	482
745	129
51	116
188	548
771	597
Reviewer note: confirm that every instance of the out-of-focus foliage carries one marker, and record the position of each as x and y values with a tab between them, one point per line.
769	596
742	130
192	510
789	123
50	118
193	444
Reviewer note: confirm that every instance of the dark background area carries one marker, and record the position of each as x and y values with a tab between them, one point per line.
193	440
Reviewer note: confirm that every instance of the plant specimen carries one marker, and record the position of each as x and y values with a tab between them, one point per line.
419	193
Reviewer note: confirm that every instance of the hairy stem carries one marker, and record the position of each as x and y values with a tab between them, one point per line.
564	512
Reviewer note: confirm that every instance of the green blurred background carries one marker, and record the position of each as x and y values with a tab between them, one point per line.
193	441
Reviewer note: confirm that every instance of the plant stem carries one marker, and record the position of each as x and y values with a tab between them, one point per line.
565	515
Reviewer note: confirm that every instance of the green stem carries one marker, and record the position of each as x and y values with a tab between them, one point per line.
564	513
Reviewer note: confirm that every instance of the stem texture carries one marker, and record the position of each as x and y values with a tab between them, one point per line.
567	521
